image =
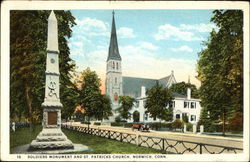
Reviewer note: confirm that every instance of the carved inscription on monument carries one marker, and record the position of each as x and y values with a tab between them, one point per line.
52	118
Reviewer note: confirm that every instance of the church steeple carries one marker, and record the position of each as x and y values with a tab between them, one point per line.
113	46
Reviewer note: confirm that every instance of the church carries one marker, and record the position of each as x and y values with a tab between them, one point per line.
118	85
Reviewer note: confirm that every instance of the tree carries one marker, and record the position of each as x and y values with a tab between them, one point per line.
91	100
220	67
28	37
158	98
105	109
181	88
127	103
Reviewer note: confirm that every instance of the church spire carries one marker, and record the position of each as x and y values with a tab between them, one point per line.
113	46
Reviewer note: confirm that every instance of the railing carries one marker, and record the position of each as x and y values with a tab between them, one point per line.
170	146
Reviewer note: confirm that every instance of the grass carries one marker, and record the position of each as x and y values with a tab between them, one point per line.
98	145
23	136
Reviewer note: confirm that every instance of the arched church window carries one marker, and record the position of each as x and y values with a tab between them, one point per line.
113	65
115	80
116	96
117	65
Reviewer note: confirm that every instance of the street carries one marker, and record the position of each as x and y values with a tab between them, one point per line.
173	137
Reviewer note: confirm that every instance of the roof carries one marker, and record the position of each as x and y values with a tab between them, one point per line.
132	86
164	81
179	95
113	46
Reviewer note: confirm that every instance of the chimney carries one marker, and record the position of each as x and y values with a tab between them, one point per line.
189	93
143	91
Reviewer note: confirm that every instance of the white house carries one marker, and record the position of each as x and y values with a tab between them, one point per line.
182	104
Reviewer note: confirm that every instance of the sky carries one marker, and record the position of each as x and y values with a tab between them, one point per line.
152	43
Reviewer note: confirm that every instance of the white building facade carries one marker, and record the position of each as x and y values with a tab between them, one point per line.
182	104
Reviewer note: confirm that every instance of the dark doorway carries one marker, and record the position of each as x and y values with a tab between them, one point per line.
136	116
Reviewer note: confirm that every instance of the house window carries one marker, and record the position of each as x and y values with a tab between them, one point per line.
177	116
186	104
192	105
193	118
172	104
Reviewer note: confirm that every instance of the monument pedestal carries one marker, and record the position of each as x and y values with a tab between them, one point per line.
51	138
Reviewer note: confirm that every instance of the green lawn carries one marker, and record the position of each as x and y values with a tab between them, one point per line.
98	145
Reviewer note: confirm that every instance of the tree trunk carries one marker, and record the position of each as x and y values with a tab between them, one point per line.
88	122
29	103
223	122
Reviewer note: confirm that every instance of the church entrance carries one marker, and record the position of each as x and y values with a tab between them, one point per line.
136	116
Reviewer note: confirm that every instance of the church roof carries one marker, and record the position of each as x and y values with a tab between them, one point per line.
132	86
165	80
113	46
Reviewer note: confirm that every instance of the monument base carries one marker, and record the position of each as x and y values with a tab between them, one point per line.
50	139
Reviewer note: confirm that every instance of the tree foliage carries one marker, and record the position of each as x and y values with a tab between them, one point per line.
28	41
92	101
181	88
127	103
220	66
158	98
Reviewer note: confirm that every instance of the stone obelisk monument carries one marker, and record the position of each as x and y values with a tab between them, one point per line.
51	137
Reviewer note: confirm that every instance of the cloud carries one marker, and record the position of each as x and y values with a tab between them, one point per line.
170	32
150	66
182	48
148	46
199	27
125	32
92	27
140	48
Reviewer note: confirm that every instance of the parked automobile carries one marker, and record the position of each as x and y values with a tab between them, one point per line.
140	126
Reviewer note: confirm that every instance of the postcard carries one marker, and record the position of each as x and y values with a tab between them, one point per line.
124	81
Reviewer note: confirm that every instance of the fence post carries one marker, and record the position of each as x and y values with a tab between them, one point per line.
200	148
120	136
137	139
109	134
163	144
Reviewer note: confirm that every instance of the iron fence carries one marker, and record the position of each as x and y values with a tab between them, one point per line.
170	146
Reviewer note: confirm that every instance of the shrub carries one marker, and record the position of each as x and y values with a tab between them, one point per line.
155	125
118	119
189	126
128	125
117	124
97	123
85	122
178	124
